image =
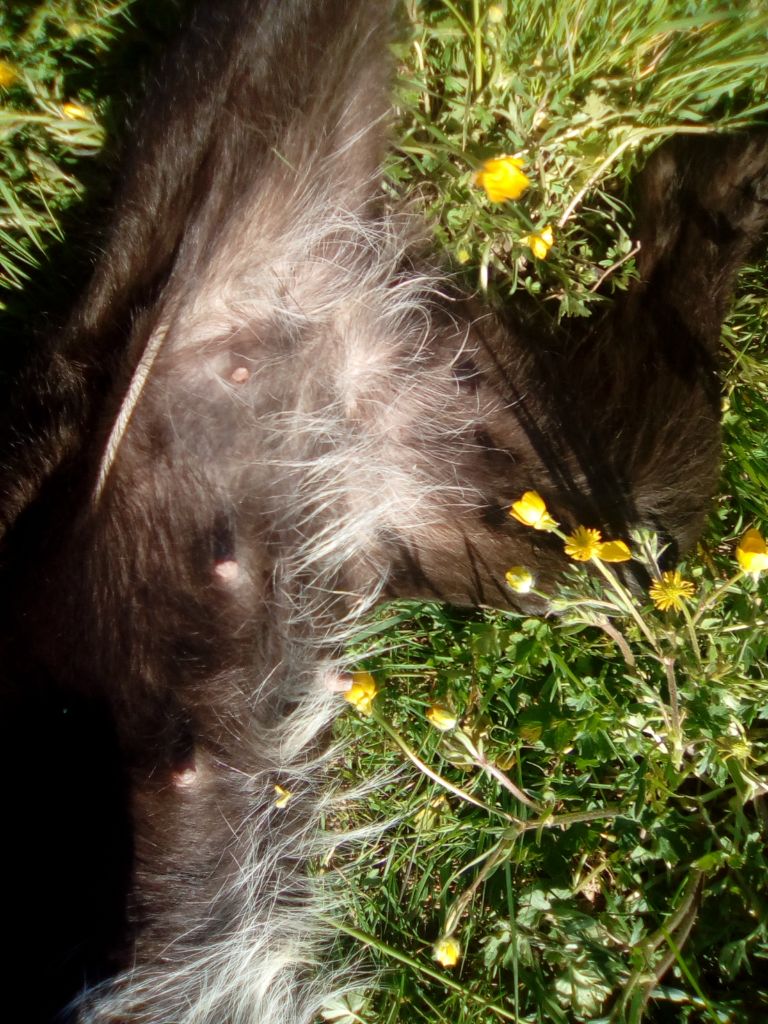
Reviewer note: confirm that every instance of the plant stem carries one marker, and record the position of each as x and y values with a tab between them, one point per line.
628	605
496	772
674	702
478	40
441	977
692	635
712	598
423	767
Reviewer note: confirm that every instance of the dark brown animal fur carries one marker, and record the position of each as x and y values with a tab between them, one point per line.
324	423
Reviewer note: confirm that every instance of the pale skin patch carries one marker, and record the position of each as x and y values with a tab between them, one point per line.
185	778
190	772
227	571
240	375
337	682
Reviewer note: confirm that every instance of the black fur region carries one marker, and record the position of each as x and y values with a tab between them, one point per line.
269	411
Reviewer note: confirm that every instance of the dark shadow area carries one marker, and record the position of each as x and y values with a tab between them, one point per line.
66	852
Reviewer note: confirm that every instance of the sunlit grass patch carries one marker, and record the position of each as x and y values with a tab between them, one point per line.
579	92
592	814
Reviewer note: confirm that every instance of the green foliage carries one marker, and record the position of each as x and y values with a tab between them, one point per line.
597	817
745	420
581	89
67	68
49	121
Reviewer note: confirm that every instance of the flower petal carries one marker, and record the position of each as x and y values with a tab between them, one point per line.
614	551
540	244
671	591
519	579
752	553
8	74
76	111
362	691
531	510
502	178
447	951
441	718
583	544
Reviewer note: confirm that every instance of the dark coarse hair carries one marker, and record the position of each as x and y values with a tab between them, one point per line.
272	409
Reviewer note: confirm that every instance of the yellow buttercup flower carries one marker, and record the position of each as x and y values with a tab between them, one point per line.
519	579
75	111
282	796
447	951
361	692
752	553
441	718
583	544
670	591
540	244
530	510
495	14
8	74
502	178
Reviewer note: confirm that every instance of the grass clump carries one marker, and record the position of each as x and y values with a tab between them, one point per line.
68	71
581	90
581	806
49	122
